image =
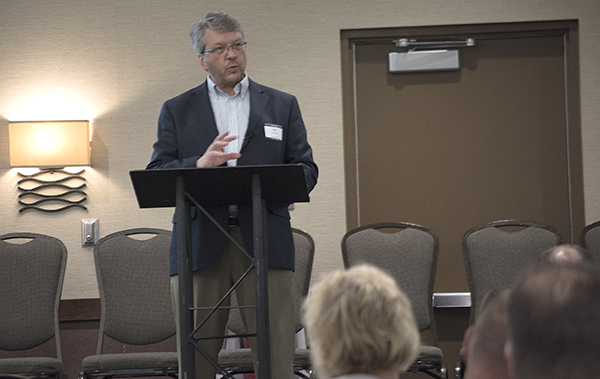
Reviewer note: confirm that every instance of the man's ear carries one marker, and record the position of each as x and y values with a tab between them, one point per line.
201	60
509	359
464	351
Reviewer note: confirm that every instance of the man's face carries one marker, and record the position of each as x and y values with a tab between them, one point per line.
225	69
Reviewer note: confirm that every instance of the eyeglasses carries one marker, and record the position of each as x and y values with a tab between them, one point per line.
237	47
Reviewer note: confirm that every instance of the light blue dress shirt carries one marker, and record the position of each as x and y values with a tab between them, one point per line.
231	113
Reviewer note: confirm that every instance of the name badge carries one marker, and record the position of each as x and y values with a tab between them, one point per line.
274	132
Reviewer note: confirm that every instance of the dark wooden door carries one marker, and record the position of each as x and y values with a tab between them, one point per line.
498	139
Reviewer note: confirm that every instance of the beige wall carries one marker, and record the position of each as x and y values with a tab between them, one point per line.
114	62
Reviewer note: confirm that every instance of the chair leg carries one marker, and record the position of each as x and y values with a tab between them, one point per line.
442	375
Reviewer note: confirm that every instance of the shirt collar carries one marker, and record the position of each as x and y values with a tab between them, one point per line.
240	89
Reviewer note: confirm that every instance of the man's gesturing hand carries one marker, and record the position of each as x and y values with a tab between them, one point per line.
214	155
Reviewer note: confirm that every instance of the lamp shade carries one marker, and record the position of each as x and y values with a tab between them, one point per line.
49	143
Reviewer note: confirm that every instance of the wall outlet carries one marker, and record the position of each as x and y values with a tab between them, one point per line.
90	231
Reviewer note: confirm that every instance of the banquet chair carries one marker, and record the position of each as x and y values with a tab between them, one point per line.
408	252
497	252
590	240
239	360
32	269
133	280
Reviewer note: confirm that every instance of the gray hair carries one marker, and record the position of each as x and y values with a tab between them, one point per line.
219	22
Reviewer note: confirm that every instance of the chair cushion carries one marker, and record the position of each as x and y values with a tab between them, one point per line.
237	359
241	359
30	365
135	361
430	357
302	359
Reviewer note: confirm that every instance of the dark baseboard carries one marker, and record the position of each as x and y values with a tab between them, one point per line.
79	310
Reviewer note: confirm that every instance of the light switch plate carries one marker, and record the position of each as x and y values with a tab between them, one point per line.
90	231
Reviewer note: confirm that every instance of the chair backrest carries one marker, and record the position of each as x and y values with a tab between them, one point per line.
134	285
32	269
408	252
590	240
497	252
304	247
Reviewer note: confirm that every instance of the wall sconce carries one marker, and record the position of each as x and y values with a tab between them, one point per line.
52	147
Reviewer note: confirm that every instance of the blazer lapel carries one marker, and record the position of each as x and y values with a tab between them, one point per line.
258	101
200	103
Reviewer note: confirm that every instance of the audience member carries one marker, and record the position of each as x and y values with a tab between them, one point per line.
567	253
483	343
553	323
360	325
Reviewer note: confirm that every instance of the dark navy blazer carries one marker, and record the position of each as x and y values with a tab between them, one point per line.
186	127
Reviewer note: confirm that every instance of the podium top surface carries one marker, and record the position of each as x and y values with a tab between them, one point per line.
216	186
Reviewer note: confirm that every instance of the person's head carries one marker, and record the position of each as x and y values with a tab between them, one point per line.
553	323
483	344
567	253
218	39
359	321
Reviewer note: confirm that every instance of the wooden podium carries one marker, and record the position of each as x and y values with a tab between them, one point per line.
221	186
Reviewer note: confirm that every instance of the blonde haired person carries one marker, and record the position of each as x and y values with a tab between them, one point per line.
360	325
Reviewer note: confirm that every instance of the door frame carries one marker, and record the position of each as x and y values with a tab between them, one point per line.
567	28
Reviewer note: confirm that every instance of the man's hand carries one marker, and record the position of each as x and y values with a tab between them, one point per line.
214	155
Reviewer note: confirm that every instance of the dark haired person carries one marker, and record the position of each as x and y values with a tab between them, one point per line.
553	327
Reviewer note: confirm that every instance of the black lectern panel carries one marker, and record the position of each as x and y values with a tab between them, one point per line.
281	184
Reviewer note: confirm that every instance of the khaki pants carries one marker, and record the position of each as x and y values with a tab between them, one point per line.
209	286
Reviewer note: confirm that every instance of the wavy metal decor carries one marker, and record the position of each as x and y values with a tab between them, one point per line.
52	190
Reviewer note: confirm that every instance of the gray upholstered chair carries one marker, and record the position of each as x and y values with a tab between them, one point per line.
134	285
497	252
32	269
590	240
408	252
236	361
